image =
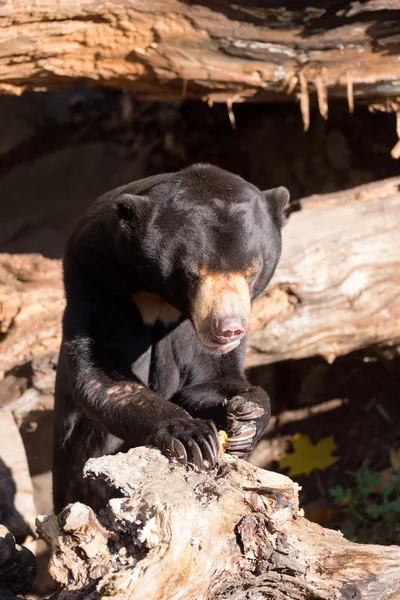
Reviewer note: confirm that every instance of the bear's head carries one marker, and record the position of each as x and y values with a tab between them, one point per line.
207	242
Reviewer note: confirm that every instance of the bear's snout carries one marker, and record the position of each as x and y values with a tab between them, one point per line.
221	310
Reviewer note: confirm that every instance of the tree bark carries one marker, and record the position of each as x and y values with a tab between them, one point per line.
336	290
162	49
235	533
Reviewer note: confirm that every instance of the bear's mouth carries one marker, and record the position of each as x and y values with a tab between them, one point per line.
220	310
219	347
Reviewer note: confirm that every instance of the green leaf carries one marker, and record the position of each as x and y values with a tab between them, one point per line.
340	494
367	479
376	510
394	505
389	488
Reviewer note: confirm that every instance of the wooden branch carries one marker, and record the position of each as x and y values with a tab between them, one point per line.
235	533
336	289
361	193
214	50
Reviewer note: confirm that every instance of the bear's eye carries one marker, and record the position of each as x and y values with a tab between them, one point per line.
193	276
251	273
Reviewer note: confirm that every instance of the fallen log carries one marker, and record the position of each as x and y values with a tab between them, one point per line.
336	289
337	285
235	533
219	51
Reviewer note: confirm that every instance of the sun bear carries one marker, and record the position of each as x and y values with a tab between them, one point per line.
159	278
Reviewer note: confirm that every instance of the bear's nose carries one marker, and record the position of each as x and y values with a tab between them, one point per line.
229	327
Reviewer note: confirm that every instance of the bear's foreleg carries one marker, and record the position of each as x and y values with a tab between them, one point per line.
127	409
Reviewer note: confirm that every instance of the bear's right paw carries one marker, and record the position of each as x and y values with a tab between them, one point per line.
188	441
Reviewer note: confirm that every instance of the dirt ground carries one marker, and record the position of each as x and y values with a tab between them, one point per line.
59	151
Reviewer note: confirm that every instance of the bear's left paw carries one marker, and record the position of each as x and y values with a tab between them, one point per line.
187	440
247	421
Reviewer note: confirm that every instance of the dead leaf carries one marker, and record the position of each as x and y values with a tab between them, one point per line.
386	476
326	516
306	457
394	457
222	437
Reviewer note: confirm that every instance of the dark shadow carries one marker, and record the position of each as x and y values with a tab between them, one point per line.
37	436
320	17
9	516
359	377
355	401
67	148
386	35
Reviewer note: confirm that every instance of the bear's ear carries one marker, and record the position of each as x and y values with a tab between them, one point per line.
130	209
278	199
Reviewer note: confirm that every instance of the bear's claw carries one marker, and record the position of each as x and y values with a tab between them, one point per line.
246	421
188	441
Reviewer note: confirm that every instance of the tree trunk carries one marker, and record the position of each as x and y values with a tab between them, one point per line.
214	50
336	290
235	533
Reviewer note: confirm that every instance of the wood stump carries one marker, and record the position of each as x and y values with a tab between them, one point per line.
234	533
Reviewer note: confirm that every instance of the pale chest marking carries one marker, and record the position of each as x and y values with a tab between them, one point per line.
153	308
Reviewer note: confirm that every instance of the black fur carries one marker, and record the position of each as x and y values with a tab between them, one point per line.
122	383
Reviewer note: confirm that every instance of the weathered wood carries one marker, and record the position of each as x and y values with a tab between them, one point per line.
336	288
236	532
31	305
214	50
